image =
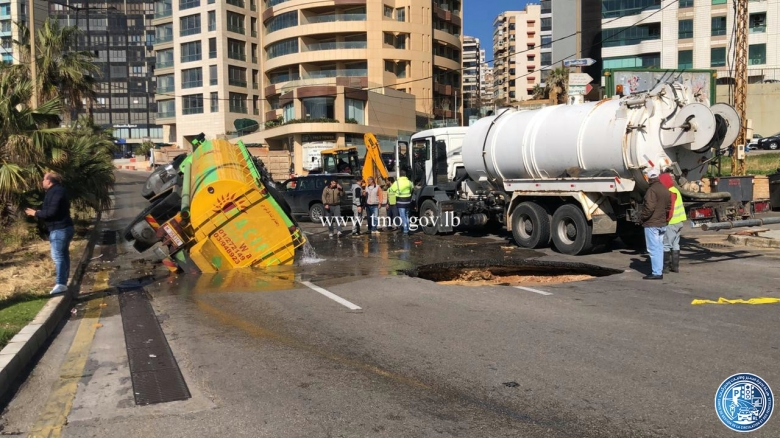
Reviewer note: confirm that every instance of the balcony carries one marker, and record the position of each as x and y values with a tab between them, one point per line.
236	29
331	18
758	29
336	73
239	3
164	64
163	90
166	115
161	39
190	31
237	83
237	56
188	4
162	12
315	47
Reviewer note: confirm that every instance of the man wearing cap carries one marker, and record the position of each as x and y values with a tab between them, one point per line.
676	220
655	211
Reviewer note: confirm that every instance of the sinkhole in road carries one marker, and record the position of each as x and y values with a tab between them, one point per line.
508	272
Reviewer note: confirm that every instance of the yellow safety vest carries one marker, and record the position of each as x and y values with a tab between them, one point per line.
679	210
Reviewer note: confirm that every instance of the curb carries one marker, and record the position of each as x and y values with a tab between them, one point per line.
758	242
23	347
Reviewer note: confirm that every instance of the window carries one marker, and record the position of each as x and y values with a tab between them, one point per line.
118	71
281	21
397	68
237	76
284	47
718	26
718	57
685	59
621	8
685	29
212	21
165	84
236	49
189	25
757	54
237	103
119	102
235	23
319	108
288	112
163	33
213	78
400	14
192	104
758	23
166	108
397	41
215	102
388	11
188	4
138	102
284	76
117	56
546	24
239	3
546	41
685	4
192	78
190	51
355	110
626	36
546	58
650	60
719	2
253	26
212	48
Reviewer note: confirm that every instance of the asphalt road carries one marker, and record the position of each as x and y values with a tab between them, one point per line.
266	355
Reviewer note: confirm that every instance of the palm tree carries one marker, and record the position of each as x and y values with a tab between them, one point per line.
538	92
557	84
63	72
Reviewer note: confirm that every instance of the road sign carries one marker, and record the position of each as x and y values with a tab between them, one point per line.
584	62
577	89
579	79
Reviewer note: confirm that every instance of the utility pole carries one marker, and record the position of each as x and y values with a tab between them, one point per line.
33	56
740	81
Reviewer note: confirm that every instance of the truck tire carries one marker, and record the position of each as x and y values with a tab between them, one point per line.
161	209
531	225
142	246
571	232
429	211
633	236
316	212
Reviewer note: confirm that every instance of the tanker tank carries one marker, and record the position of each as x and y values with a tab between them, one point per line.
617	137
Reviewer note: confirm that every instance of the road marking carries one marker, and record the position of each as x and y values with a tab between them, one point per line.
536	291
753	301
54	415
330	295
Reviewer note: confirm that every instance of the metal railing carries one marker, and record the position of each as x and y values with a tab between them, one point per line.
192	84
237	83
190	58
239	3
163	39
161	90
162	13
336	73
315	47
758	29
237	109
236	29
192	110
330	18
278	79
164	64
237	56
166	115
190	31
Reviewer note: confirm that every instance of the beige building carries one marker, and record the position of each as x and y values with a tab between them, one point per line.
516	54
311	74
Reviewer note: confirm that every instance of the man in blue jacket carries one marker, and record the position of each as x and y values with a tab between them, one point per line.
56	213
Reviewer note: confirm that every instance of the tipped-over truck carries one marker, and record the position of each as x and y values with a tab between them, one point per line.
567	174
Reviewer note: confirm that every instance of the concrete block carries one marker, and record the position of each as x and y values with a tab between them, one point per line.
47	310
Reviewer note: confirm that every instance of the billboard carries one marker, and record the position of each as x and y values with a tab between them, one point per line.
638	80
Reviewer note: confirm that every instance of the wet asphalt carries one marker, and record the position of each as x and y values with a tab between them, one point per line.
266	355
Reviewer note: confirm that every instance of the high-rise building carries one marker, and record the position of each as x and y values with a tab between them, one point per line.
516	54
11	12
120	36
689	35
471	76
307	73
485	82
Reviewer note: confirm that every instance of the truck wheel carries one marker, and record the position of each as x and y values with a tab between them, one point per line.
162	209
571	232
633	236
429	212
531	225
316	212
142	246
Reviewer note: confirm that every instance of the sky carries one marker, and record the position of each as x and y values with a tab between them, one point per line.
478	16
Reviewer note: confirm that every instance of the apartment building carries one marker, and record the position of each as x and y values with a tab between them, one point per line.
471	76
689	34
121	37
15	11
485	80
516	54
310	74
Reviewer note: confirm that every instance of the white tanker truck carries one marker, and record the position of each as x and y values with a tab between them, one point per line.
570	174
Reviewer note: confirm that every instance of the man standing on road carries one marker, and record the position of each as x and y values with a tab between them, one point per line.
56	213
373	201
392	210
331	199
403	193
655	210
676	219
357	206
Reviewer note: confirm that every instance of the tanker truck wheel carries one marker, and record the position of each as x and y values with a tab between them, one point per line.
571	232
531	225
428	211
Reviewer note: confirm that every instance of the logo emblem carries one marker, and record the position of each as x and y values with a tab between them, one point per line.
744	402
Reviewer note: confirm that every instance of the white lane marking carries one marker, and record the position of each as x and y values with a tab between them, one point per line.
536	291
330	295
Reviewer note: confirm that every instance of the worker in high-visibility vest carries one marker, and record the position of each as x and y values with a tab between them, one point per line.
402	189
676	220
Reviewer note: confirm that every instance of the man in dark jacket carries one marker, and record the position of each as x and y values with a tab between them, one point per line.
655	212
331	199
56	213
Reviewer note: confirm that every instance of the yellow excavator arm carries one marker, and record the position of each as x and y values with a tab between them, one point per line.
373	166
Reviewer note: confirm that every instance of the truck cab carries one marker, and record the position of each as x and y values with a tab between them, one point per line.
435	156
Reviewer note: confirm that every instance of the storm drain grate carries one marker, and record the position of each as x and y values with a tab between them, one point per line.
715	245
153	369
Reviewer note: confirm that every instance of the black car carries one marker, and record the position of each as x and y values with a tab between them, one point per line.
304	194
772	142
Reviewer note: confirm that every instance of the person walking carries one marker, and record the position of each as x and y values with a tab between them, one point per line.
392	210
676	220
331	199
358	202
56	213
655	210
402	189
373	201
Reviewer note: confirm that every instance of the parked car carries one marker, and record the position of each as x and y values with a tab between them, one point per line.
753	144
772	142
304	194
